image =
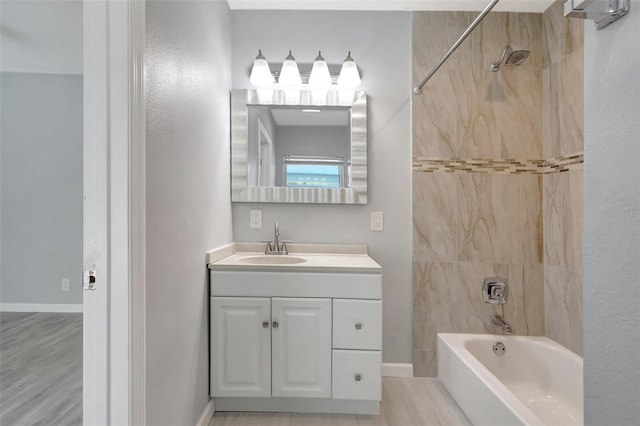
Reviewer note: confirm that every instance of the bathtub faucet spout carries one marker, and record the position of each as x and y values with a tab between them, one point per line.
505	326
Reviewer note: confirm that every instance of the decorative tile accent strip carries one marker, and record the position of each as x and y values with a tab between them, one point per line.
511	166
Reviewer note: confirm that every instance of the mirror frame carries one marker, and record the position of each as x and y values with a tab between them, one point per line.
241	99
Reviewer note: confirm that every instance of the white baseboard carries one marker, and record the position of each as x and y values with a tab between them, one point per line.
390	369
207	414
40	307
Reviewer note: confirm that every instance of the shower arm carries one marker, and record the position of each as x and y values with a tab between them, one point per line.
418	89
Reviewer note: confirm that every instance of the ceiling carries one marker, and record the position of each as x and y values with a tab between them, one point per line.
535	6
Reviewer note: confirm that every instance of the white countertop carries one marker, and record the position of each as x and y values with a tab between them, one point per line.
317	258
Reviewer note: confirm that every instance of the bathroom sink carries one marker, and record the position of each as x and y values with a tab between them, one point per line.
272	260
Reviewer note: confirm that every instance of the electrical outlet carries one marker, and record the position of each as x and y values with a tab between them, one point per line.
65	284
255	219
377	221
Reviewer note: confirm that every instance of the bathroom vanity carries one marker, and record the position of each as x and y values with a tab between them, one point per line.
300	332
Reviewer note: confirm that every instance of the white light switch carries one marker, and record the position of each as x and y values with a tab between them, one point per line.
255	218
65	284
377	221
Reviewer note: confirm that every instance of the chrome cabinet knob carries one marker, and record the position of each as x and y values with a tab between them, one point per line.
358	326
358	377
265	324
275	324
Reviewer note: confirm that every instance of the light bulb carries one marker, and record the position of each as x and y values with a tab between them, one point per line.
349	75
290	75
320	76
260	72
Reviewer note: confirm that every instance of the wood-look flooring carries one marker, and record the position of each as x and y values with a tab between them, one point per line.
415	401
40	368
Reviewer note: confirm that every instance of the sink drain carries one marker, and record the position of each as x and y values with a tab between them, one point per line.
499	348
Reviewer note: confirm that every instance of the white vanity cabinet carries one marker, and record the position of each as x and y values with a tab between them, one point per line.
296	341
263	347
240	346
301	347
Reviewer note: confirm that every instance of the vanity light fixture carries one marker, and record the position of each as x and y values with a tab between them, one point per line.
320	76
260	72
349	75
290	75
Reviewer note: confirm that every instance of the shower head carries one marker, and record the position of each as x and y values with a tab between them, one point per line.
510	58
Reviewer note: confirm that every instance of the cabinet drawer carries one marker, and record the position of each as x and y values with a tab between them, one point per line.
357	324
357	375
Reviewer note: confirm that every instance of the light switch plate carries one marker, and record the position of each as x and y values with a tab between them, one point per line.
255	219
377	221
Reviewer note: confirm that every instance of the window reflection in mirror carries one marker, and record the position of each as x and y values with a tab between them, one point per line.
296	147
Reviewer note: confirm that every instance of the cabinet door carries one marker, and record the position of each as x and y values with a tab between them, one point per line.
301	357
240	346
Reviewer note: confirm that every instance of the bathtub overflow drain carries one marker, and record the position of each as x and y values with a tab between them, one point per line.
499	348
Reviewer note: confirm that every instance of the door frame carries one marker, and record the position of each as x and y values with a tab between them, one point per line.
114	212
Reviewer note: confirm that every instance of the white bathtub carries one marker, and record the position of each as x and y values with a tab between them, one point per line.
535	382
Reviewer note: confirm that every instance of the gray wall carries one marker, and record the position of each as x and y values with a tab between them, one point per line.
40	151
41	36
380	43
41	187
188	197
313	141
612	222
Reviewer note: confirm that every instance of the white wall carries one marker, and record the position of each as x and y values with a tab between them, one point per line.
612	222
41	152
380	43
188	197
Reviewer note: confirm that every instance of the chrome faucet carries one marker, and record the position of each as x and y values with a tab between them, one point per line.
276	247
505	326
276	237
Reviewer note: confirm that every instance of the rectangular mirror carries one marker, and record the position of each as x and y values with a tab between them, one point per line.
299	146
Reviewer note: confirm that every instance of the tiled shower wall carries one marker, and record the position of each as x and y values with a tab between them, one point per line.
563	123
475	221
484	147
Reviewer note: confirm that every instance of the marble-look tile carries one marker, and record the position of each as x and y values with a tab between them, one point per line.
519	115
548	142
433	33
524	309
435	216
554	188
439	112
571	83
476	318
521	30
481	136
440	305
574	220
468	111
563	307
434	293
449	300
478	208
566	105
422	359
564	219
561	35
520	221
